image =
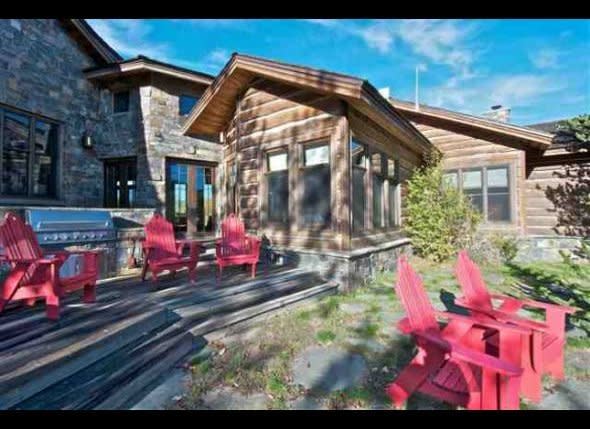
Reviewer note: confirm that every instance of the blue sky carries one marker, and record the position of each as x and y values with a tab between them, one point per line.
539	68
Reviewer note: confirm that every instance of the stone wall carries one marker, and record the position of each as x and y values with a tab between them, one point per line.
164	139
535	249
349	269
41	72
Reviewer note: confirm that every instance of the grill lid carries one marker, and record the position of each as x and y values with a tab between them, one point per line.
43	220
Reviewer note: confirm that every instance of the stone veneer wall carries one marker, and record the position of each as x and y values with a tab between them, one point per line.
41	72
545	248
162	132
349	269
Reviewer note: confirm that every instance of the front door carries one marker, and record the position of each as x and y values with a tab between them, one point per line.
190	196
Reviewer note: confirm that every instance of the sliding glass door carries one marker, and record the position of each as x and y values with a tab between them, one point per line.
190	196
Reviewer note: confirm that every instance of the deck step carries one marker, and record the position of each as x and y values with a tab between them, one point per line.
114	382
109	355
28	369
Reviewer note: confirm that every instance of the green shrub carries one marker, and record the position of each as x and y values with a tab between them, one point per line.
440	218
507	245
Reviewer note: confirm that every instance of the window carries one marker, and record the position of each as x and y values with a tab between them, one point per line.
358	161
451	178
278	187
498	191
120	182
473	187
392	199
121	101
378	182
186	104
29	155
488	189
316	185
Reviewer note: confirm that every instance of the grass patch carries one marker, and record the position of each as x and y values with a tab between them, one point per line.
325	336
367	331
328	308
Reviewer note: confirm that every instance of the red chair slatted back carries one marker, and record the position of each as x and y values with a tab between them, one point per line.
159	235
18	239
233	236
471	281
410	290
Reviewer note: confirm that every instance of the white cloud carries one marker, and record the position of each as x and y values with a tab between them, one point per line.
128	37
521	90
545	58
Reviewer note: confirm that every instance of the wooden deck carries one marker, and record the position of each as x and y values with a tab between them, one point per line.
108	355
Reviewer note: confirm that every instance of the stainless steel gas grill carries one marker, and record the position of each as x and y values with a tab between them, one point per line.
76	229
67	226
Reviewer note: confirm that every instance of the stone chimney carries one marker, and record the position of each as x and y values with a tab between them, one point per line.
498	113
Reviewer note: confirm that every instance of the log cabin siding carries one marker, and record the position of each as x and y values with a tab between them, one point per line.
270	116
462	152
531	176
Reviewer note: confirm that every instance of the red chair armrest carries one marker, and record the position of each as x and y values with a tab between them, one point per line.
485	323
460	352
538	304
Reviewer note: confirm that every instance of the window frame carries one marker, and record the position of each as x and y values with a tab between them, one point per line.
484	177
303	146
393	180
114	94
366	170
30	196
112	161
267	173
382	175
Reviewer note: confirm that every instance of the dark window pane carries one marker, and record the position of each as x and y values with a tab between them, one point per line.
476	201
45	161
377	201
498	194
316	195
120	183
15	154
121	101
278	196
358	199
358	154
498	207
392	204
186	104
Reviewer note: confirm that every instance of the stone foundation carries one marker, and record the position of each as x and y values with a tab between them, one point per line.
545	248
349	269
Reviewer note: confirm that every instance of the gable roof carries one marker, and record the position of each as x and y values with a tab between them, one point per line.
96	47
143	64
215	107
518	137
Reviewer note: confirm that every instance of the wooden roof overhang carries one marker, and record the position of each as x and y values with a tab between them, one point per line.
514	136
215	108
142	65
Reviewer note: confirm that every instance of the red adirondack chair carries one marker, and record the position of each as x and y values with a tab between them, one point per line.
162	251
542	352
235	247
34	275
451	363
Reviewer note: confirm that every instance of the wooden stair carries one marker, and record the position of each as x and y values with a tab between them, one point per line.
110	354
